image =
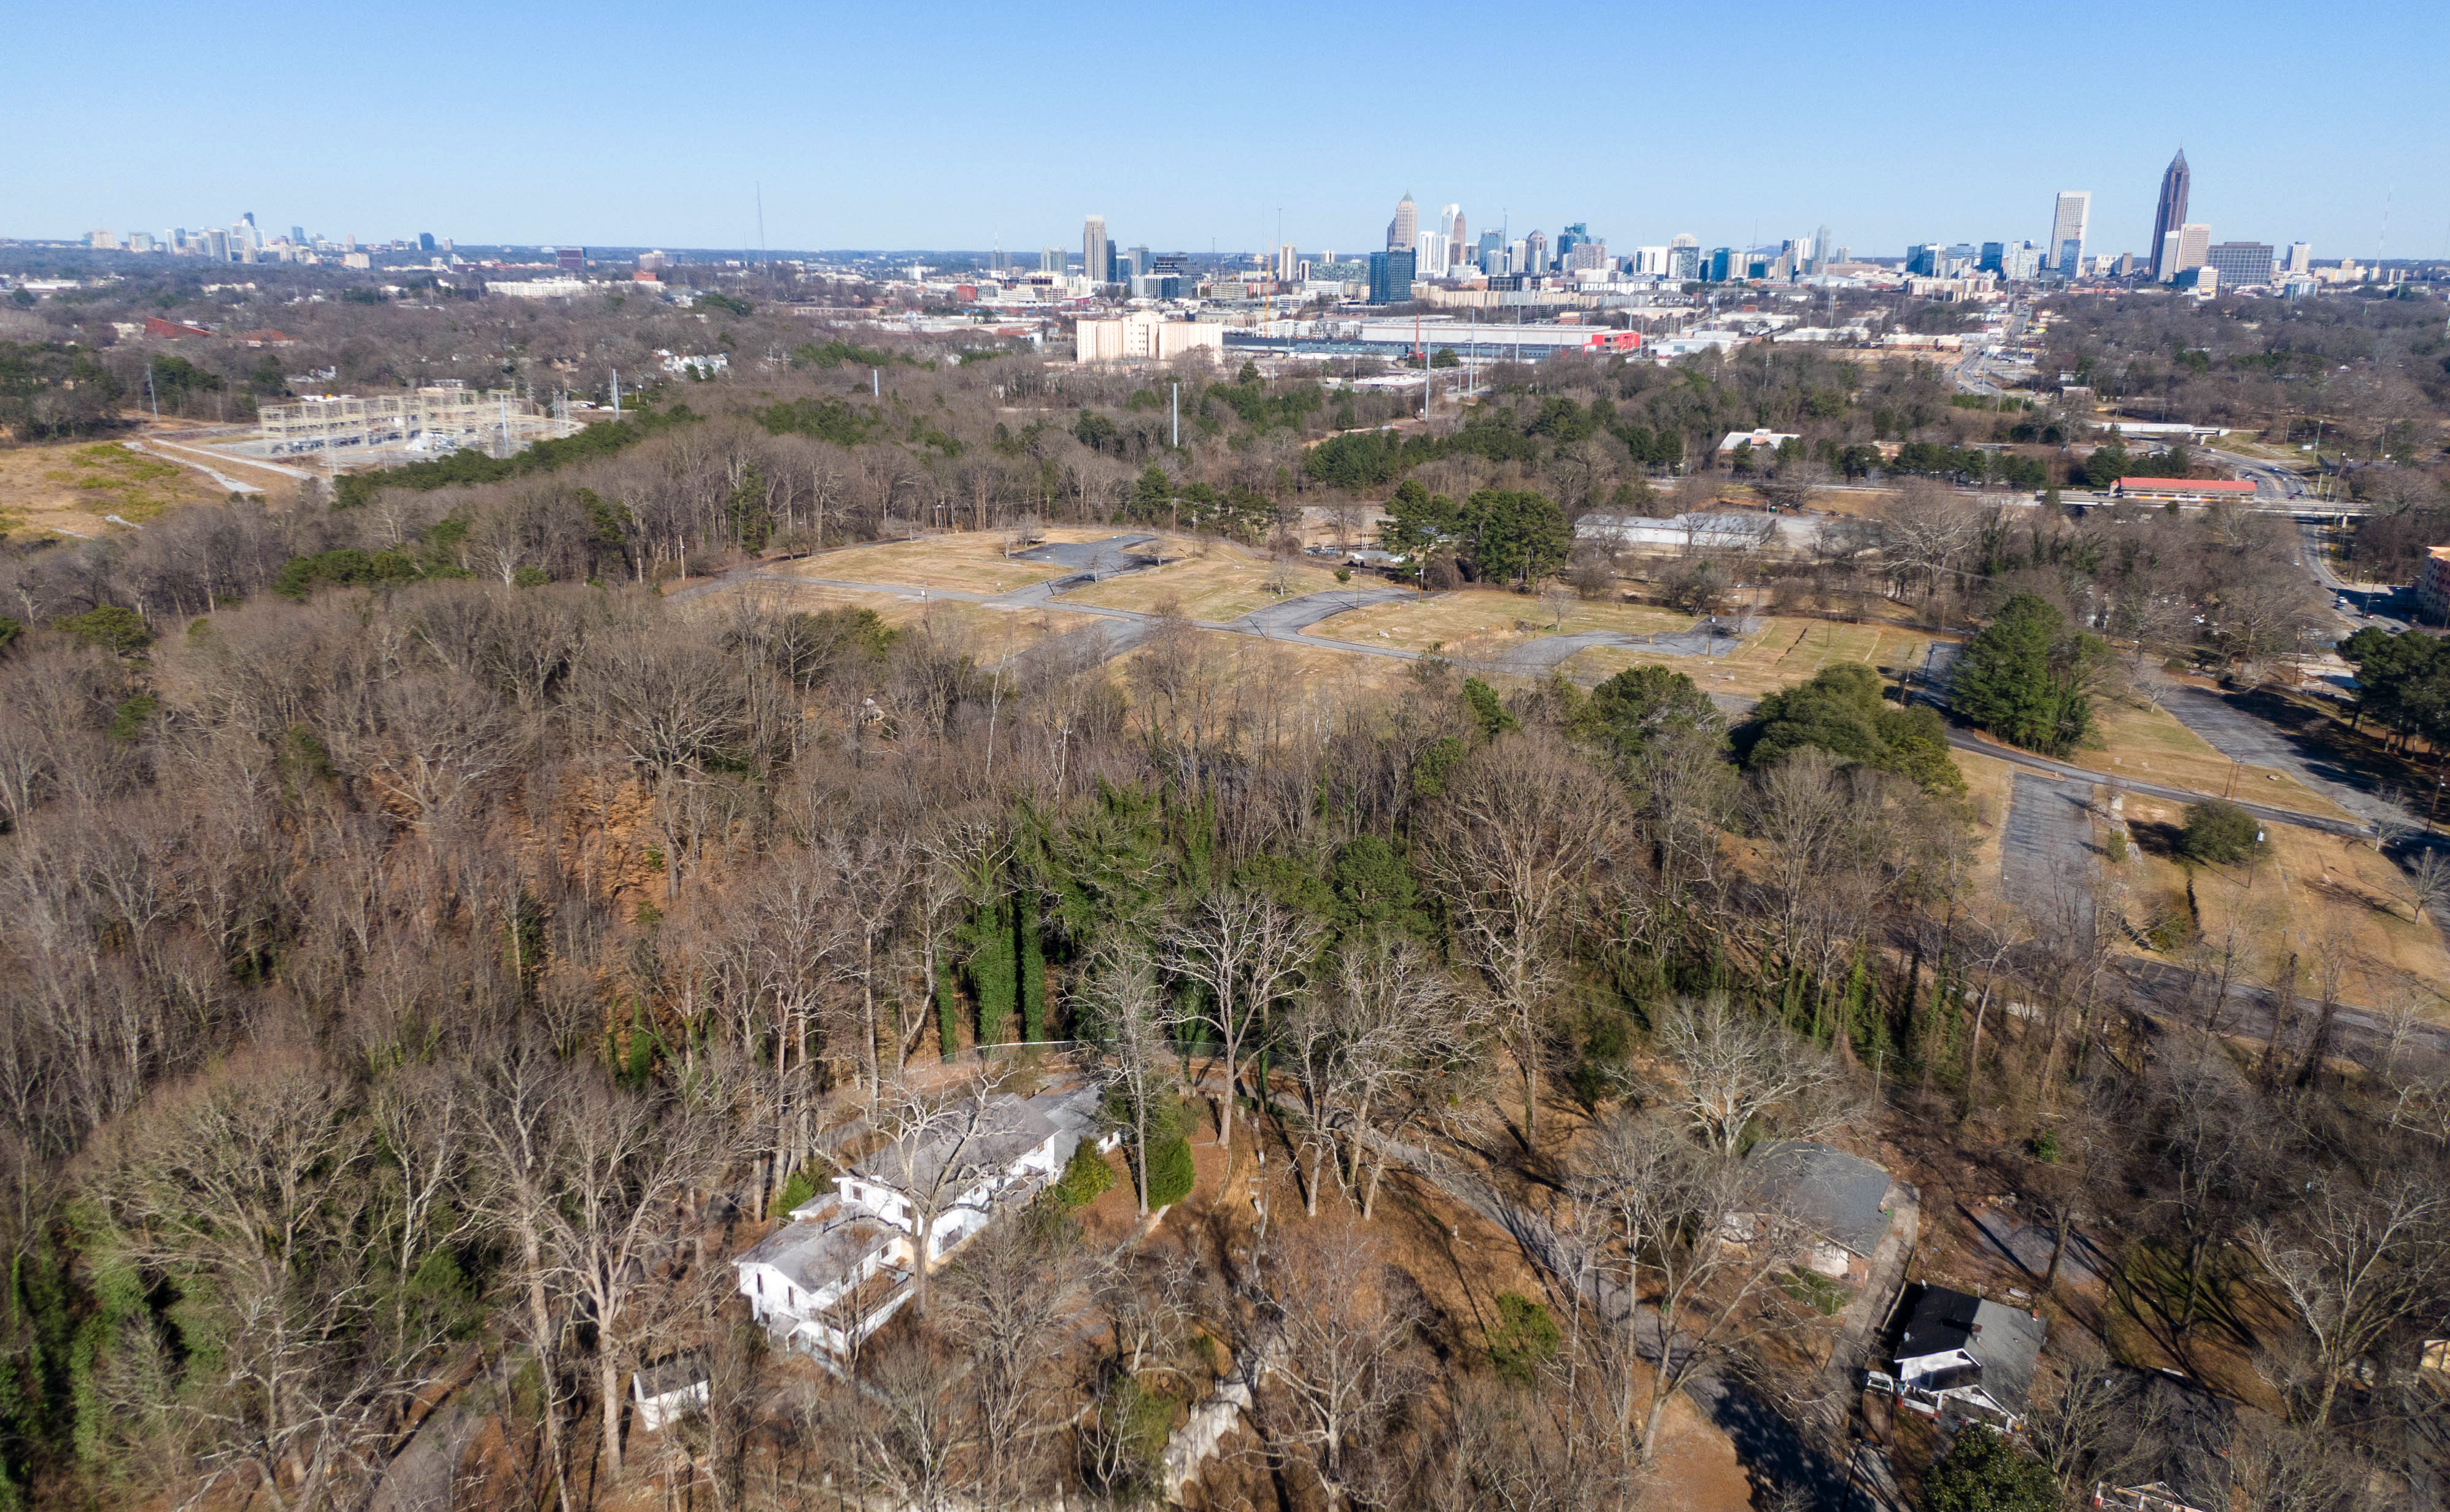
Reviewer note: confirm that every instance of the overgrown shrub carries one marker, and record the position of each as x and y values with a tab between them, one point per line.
2217	833
1169	1173
1085	1177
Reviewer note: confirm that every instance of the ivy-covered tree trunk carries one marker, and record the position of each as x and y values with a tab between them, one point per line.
994	972
1031	955
948	1010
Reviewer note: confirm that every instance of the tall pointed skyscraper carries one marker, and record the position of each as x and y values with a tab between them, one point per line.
1404	232
2172	213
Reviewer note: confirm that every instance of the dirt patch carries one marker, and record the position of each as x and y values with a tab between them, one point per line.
73	487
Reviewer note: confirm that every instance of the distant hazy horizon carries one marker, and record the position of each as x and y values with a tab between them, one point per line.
643	125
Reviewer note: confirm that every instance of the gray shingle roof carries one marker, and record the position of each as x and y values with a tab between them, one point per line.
826	1242
1840	1197
1006	1128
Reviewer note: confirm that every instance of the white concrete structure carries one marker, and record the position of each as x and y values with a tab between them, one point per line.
1763	440
541	288
1145	336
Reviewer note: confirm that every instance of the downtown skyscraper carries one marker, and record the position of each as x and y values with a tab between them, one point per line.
1404	232
1096	256
2170	217
2068	217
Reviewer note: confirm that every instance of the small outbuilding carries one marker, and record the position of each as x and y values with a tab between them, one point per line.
666	1390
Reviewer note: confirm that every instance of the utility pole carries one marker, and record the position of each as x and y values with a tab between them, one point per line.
150	394
616	395
1178	415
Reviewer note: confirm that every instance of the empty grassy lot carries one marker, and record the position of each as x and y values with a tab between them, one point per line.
987	632
2149	744
2319	897
71	488
1221	583
1780	652
1478	621
963	561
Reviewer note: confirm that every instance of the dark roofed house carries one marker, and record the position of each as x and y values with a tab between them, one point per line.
1959	1351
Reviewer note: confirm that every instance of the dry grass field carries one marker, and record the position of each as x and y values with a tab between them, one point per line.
2149	744
1989	783
2320	898
72	488
962	561
1224	582
1780	652
989	632
1480	621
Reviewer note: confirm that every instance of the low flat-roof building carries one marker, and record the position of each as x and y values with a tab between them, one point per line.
1145	335
2182	490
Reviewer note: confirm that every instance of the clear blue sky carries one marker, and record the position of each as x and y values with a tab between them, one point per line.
947	126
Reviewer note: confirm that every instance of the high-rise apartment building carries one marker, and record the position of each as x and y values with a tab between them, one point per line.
1458	238
1097	253
1923	260
2241	264
2171	216
1491	252
1050	260
1429	254
1404	232
1390	275
1820	250
1287	263
2300	258
2181	250
2068	219
1685	260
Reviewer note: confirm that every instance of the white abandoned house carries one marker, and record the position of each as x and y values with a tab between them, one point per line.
847	1261
1961	1352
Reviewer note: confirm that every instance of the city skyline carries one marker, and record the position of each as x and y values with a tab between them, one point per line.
678	143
